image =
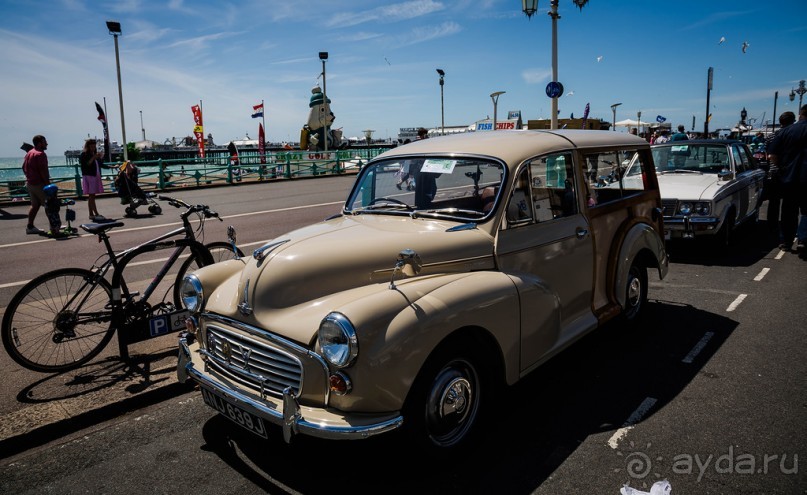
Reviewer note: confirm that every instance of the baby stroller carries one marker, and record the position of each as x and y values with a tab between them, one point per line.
130	192
52	206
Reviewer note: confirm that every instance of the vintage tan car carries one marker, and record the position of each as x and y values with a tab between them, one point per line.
412	307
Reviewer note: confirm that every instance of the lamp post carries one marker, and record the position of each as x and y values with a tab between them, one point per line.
529	7
142	129
368	135
743	115
324	56
638	122
114	30
800	92
442	74
495	98
613	110
709	78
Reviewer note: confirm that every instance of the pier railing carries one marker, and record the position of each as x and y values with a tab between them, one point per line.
161	175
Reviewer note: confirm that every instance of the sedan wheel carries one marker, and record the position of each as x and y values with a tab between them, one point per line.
635	292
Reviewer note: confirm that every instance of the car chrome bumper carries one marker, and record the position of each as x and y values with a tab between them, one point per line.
688	227
286	413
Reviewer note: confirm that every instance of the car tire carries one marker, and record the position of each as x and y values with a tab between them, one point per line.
635	293
445	402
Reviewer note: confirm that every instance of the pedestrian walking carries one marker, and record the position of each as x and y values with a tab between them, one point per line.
788	151
37	176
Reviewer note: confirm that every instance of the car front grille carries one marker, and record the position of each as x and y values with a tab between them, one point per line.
254	364
668	207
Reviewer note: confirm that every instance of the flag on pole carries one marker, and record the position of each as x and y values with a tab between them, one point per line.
258	109
261	146
198	129
102	118
585	117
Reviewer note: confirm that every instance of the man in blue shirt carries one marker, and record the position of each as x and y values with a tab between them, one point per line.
680	135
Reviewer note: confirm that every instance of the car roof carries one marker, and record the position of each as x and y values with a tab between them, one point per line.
701	141
516	145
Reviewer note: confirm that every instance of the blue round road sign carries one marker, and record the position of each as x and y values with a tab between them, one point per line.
554	89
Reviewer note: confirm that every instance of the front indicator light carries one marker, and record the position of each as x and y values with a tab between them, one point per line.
340	383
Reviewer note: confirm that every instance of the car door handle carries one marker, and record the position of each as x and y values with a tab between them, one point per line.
581	232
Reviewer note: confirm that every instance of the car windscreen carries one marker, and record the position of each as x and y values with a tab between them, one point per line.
680	156
460	188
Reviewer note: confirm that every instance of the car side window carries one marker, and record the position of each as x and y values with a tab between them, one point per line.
740	159
553	186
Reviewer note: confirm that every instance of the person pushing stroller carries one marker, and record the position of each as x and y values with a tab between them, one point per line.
130	192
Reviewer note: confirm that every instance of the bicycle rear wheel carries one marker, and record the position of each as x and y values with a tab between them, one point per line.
58	321
221	251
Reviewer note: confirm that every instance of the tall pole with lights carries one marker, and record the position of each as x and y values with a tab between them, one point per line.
709	78
554	91
613	110
495	98
800	92
115	31
442	75
142	128
324	56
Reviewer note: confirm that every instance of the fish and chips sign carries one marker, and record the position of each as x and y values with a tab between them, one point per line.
513	121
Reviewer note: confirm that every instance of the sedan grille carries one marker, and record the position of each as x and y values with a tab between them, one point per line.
252	363
668	207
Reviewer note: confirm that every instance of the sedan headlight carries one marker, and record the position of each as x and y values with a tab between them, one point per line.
703	208
192	294
337	339
685	208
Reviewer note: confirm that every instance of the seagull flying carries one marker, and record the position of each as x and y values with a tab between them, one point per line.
570	93
745	46
722	39
385	58
599	59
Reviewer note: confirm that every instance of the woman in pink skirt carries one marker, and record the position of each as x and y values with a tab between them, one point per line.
90	161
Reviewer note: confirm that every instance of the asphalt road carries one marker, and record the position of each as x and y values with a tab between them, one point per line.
708	394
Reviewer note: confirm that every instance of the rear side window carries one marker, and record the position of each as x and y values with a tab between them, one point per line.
613	175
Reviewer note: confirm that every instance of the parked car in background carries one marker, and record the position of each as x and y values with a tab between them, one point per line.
708	187
412	308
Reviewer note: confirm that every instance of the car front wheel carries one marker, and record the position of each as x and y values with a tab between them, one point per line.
445	401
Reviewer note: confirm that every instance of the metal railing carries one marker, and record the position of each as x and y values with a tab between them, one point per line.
160	175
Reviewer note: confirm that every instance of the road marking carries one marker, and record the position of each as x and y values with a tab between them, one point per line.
698	348
634	418
779	256
736	302
762	274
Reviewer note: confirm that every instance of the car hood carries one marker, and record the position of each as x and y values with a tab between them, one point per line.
353	251
689	186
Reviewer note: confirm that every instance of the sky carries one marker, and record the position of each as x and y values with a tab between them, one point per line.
57	59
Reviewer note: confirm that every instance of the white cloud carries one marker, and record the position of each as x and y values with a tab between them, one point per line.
536	76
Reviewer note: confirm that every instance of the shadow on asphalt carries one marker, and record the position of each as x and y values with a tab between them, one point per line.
139	372
750	244
590	388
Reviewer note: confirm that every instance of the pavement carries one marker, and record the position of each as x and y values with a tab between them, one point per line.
58	405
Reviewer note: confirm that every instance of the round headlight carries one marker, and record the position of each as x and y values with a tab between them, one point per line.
337	339
685	208
191	293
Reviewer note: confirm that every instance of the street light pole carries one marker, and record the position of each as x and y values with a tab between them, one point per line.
115	31
442	74
801	92
555	16
613	109
495	98
324	56
708	93
142	129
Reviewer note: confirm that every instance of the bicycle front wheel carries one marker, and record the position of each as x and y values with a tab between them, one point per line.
221	251
59	320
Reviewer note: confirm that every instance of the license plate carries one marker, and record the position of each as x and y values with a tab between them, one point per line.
235	413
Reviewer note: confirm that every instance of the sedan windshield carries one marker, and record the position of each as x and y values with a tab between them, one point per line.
459	188
689	158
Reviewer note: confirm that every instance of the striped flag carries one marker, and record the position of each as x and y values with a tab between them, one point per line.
258	109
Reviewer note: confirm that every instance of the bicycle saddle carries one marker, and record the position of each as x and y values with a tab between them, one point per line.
97	228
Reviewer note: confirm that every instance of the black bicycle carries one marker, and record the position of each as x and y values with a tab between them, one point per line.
62	319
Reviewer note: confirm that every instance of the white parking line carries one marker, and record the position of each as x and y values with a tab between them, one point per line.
634	418
762	274
698	348
736	303
779	256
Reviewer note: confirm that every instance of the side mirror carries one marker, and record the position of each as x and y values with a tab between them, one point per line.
725	174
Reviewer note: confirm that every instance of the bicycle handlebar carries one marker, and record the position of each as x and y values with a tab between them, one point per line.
178	203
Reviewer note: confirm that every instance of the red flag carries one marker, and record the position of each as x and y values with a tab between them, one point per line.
261	143
198	129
